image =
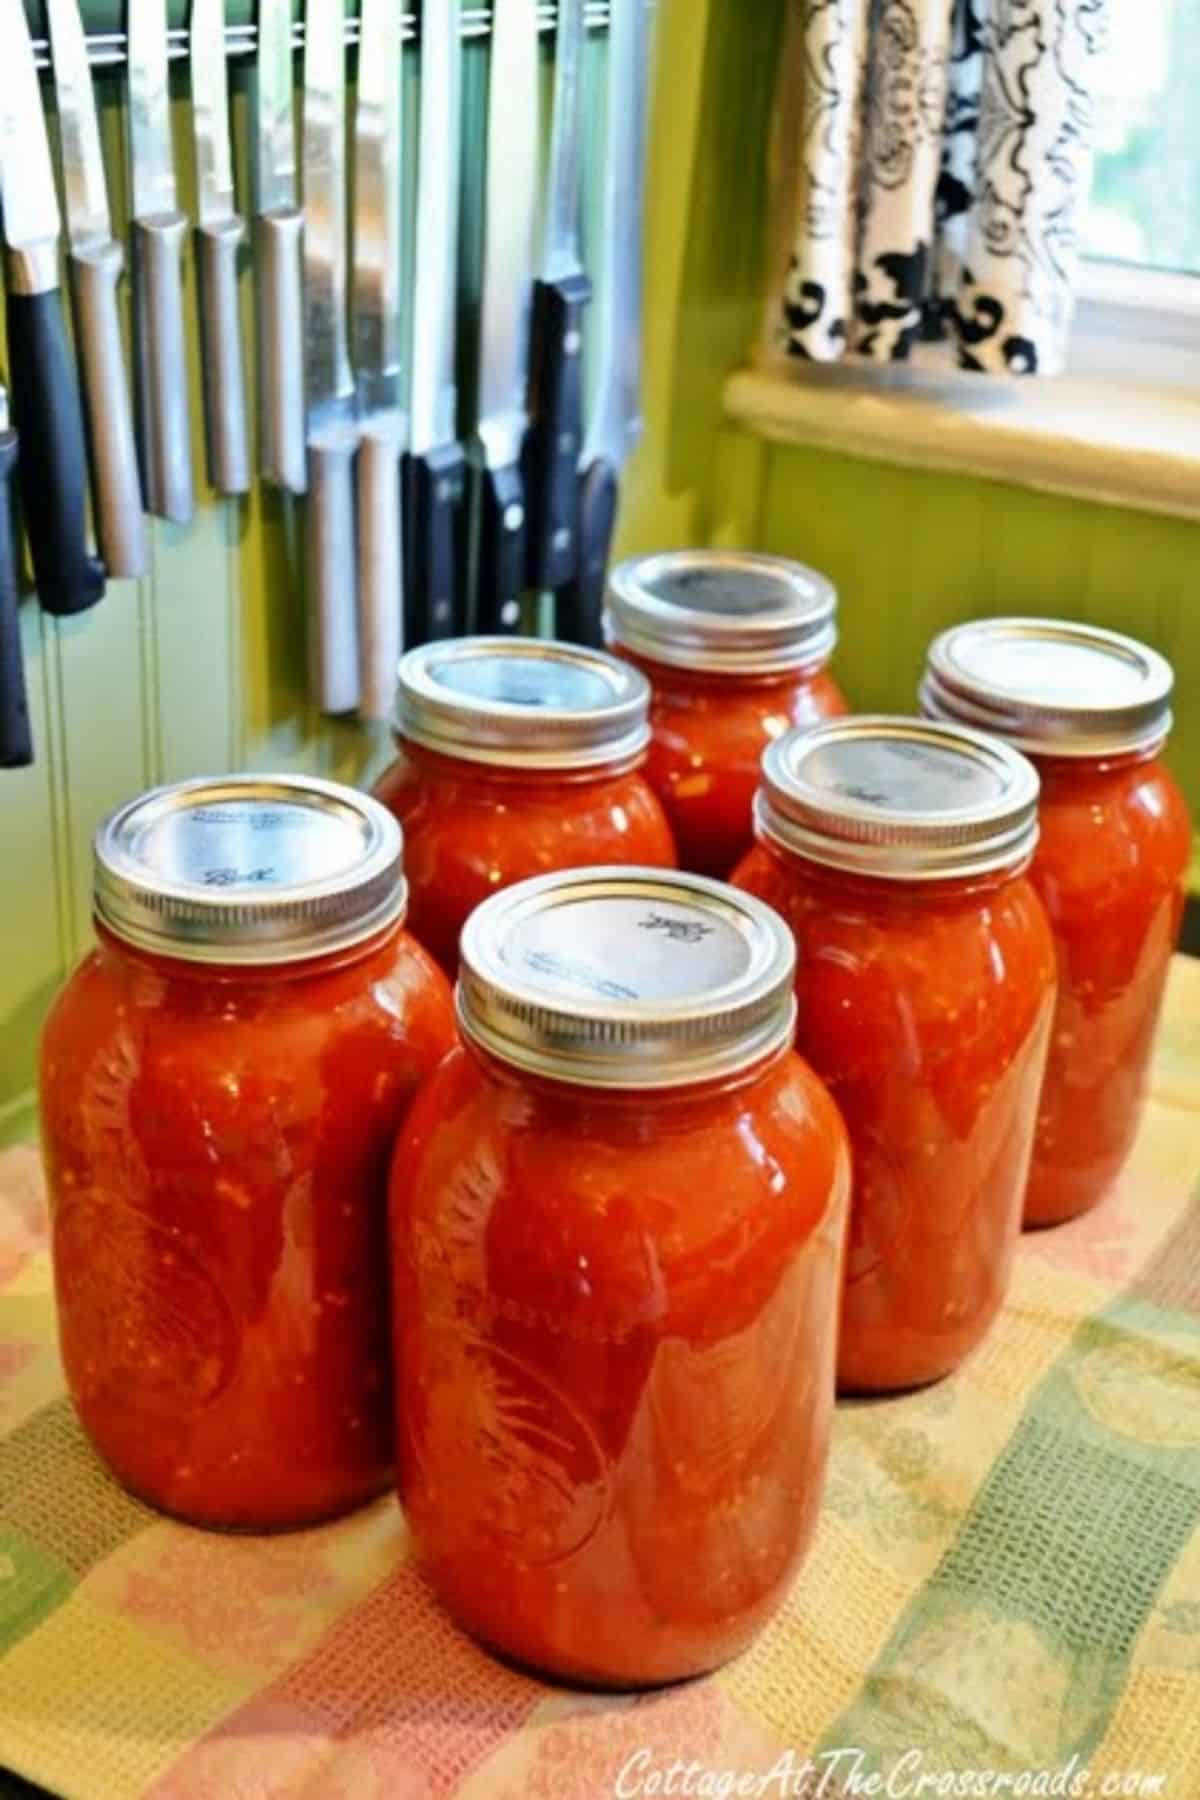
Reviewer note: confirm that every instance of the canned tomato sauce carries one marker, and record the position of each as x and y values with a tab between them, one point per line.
896	850
1092	709
736	647
516	758
221	1083
617	1225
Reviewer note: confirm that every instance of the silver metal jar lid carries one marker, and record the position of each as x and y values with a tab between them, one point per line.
904	799
249	869
527	703
626	978
1050	686
722	611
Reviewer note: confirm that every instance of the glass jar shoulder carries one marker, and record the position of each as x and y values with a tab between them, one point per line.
730	717
188	1066
925	973
616	1210
1108	828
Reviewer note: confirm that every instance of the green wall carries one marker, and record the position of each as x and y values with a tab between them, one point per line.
200	667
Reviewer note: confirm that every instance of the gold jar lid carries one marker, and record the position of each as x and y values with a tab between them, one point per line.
253	869
528	703
626	978
905	799
722	611
1050	686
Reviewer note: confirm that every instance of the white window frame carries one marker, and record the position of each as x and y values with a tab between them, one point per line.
1136	326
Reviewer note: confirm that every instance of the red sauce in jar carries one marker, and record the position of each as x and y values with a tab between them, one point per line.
216	1136
924	977
1091	709
516	758
617	1243
735	648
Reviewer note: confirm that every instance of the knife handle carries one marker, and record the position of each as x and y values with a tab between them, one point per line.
226	439
380	570
579	606
52	466
16	742
116	488
433	490
281	346
501	551
332	613
552	446
164	426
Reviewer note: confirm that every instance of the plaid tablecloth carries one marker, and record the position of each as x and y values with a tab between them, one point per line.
1006	1580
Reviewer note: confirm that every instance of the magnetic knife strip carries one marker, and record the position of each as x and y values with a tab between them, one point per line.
106	49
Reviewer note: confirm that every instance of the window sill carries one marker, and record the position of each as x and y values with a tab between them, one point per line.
1106	442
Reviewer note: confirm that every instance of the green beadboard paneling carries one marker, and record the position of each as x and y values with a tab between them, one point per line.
201	665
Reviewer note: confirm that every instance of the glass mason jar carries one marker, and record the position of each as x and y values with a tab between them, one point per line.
1092	710
736	648
617	1228
896	851
221	1083
517	757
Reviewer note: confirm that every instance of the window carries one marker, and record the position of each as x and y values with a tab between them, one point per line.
1145	207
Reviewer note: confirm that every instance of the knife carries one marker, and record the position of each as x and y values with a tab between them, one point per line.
45	398
377	351
95	265
560	294
332	430
16	743
219	236
279	239
434	465
512	171
159	234
615	423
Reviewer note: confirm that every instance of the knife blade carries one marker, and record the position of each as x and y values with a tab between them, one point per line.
279	236
332	430
219	236
434	466
16	742
45	399
560	293
378	351
615	422
159	236
511	190
95	265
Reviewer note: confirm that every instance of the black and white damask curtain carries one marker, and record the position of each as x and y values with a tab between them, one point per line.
945	158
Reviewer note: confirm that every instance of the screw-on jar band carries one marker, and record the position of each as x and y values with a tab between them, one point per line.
249	869
626	978
722	612
526	703
1049	686
903	799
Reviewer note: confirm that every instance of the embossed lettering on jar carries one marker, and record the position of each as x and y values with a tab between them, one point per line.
1092	710
221	1084
617	1224
516	758
737	648
896	851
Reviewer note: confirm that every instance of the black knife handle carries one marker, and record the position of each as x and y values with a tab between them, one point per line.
501	551
552	447
16	742
433	491
579	606
52	467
